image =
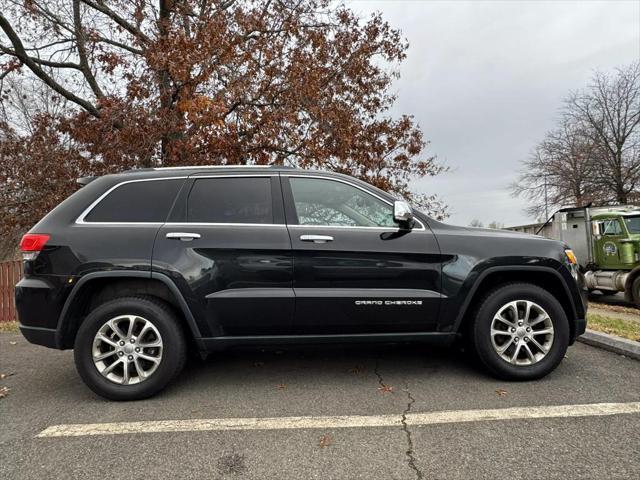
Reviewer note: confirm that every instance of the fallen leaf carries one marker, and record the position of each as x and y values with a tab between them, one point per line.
385	388
325	441
281	386
4	391
501	392
357	370
13	343
5	375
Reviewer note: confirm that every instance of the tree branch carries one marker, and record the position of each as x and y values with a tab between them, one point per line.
81	41
102	8
21	54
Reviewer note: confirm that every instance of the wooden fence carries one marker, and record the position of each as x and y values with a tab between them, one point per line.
10	274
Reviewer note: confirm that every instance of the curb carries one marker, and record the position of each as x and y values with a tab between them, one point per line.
614	344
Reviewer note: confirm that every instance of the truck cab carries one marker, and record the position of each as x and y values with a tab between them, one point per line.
606	241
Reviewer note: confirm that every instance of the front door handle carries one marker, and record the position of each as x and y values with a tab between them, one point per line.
316	238
184	236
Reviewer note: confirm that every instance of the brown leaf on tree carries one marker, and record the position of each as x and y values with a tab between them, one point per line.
325	441
385	388
306	83
501	392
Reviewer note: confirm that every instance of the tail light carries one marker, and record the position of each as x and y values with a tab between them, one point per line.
32	243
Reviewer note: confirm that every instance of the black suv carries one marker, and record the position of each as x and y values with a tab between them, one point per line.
135	269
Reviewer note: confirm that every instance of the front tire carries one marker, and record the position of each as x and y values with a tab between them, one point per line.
520	332
130	348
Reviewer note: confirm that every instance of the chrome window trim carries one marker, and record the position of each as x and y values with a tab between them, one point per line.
422	226
81	219
213	224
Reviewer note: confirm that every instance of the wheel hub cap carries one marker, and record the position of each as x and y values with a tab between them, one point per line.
127	349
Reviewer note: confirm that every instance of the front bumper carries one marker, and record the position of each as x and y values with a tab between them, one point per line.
580	328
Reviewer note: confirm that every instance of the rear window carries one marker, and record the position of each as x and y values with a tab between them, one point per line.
147	201
231	200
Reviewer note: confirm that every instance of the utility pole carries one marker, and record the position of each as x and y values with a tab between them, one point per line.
546	199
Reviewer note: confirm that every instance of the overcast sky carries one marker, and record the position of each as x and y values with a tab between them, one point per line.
486	79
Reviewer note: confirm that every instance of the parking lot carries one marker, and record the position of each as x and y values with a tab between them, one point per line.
281	414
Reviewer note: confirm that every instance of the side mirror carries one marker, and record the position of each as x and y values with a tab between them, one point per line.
402	213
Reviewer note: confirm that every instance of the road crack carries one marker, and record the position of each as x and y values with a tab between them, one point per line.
411	458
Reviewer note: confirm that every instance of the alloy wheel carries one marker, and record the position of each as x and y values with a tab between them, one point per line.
127	349
522	332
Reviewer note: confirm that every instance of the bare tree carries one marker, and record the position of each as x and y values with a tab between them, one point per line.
559	171
475	223
496	225
609	110
593	156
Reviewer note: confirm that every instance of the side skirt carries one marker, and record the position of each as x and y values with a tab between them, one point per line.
220	343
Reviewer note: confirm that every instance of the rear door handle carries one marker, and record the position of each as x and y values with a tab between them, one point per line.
184	236
316	238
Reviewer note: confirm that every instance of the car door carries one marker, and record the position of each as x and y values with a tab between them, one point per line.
227	248
355	270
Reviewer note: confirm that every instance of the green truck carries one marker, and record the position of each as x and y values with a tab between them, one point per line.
606	242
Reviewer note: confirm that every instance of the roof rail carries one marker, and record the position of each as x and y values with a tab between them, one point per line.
82	181
198	167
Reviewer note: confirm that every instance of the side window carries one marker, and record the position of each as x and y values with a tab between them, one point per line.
146	201
611	227
327	202
230	200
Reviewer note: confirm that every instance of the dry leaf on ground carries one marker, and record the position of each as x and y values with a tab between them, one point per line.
385	388
501	392
325	440
4	391
5	375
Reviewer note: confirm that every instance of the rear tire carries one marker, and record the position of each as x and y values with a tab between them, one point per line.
155	348
501	322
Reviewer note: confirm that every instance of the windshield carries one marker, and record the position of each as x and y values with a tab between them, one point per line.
633	224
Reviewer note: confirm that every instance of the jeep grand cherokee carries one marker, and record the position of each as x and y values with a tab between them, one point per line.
134	269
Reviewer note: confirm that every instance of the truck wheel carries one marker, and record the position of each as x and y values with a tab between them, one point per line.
635	292
129	348
520	332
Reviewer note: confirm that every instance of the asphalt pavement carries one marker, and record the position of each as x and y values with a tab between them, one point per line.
322	385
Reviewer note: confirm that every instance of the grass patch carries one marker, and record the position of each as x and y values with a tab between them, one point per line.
8	327
615	326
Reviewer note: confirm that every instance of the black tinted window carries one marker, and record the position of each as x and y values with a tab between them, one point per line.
231	200
147	201
328	202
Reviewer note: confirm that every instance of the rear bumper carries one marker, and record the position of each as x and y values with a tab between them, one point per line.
40	336
38	302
